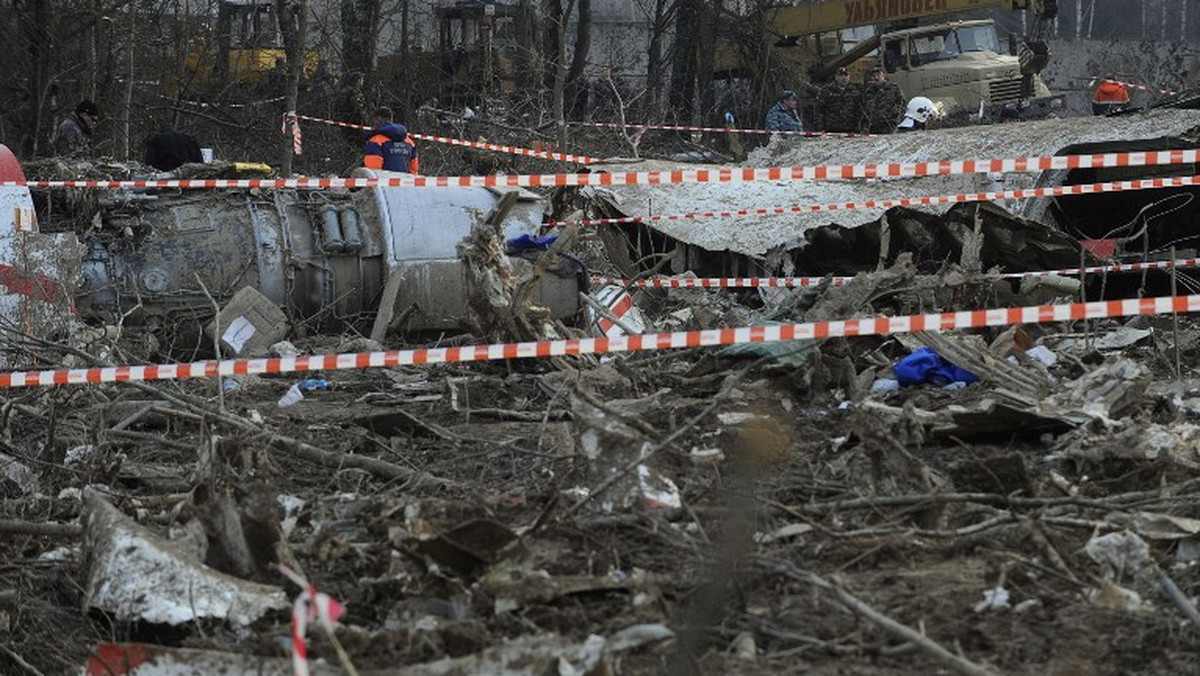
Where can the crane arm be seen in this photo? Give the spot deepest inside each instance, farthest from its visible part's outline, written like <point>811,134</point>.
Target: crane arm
<point>832,15</point>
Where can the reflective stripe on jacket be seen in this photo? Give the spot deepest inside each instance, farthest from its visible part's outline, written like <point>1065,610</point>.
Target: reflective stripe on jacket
<point>390,148</point>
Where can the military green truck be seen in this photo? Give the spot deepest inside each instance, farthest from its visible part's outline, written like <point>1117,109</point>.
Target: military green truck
<point>961,65</point>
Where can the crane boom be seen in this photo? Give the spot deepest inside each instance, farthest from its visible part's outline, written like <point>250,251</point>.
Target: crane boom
<point>832,15</point>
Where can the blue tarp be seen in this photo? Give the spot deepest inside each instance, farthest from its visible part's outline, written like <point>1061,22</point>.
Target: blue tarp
<point>530,243</point>
<point>926,366</point>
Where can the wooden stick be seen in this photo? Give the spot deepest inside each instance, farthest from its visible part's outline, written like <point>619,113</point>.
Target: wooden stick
<point>52,530</point>
<point>960,664</point>
<point>1181,600</point>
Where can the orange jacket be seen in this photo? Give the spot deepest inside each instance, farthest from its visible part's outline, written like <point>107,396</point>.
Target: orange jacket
<point>1110,92</point>
<point>390,147</point>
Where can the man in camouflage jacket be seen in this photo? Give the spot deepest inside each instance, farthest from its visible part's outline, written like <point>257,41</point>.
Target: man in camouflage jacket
<point>839,105</point>
<point>882,103</point>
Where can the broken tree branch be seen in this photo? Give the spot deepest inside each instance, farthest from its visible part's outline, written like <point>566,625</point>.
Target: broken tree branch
<point>21,662</point>
<point>1181,601</point>
<point>960,664</point>
<point>45,529</point>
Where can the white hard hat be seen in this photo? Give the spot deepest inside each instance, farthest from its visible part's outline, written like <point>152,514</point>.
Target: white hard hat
<point>919,109</point>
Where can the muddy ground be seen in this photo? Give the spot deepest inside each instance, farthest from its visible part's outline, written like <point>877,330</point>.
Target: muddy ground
<point>454,508</point>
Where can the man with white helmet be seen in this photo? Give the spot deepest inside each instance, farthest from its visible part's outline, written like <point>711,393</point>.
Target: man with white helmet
<point>918,112</point>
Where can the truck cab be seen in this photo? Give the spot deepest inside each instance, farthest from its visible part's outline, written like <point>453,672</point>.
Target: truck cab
<point>960,66</point>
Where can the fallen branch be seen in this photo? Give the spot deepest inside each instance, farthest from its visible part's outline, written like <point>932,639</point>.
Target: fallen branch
<point>876,502</point>
<point>46,529</point>
<point>717,400</point>
<point>20,662</point>
<point>1181,600</point>
<point>516,416</point>
<point>301,449</point>
<point>960,664</point>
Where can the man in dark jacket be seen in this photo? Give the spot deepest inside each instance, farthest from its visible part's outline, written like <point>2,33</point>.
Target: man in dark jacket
<point>389,147</point>
<point>882,103</point>
<point>74,135</point>
<point>168,149</point>
<point>783,116</point>
<point>839,104</point>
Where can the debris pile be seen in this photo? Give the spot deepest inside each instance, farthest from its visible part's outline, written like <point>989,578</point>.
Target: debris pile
<point>1016,497</point>
<point>1008,500</point>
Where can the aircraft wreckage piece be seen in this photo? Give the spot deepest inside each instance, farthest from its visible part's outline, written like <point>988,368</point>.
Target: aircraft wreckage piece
<point>323,256</point>
<point>34,295</point>
<point>752,245</point>
<point>136,575</point>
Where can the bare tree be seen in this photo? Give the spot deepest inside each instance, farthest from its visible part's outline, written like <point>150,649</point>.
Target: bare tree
<point>685,58</point>
<point>576,82</point>
<point>360,41</point>
<point>659,24</point>
<point>530,56</point>
<point>558,15</point>
<point>704,57</point>
<point>294,21</point>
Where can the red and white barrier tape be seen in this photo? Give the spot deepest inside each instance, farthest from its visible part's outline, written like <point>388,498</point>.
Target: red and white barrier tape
<point>1153,90</point>
<point>310,606</point>
<point>292,122</point>
<point>739,130</point>
<point>794,282</point>
<point>1057,191</point>
<point>720,175</point>
<point>629,343</point>
<point>512,150</point>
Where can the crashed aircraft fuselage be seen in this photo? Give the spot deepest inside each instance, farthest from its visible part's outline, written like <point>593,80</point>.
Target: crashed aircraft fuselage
<point>162,257</point>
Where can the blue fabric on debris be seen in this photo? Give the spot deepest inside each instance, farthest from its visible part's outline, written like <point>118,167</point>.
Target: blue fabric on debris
<point>926,366</point>
<point>530,243</point>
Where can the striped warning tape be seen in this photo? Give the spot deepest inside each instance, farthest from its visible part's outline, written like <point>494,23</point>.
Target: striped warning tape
<point>720,175</point>
<point>310,606</point>
<point>1056,191</point>
<point>739,130</point>
<point>794,282</point>
<point>629,343</point>
<point>512,150</point>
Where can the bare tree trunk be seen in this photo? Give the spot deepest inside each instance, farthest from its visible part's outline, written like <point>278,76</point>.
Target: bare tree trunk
<point>224,44</point>
<point>123,143</point>
<point>682,96</point>
<point>360,40</point>
<point>36,29</point>
<point>560,73</point>
<point>404,7</point>
<point>704,67</point>
<point>552,32</point>
<point>295,38</point>
<point>529,59</point>
<point>94,50</point>
<point>576,82</point>
<point>654,67</point>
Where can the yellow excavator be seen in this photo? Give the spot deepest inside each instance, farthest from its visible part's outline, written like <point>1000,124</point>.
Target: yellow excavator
<point>958,64</point>
<point>247,47</point>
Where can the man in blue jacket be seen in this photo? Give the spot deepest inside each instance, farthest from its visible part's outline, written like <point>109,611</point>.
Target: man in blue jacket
<point>389,147</point>
<point>783,116</point>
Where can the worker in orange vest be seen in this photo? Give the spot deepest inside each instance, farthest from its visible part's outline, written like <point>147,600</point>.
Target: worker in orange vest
<point>1110,96</point>
<point>390,147</point>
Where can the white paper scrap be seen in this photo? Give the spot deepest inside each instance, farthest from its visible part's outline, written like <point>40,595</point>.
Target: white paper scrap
<point>240,330</point>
